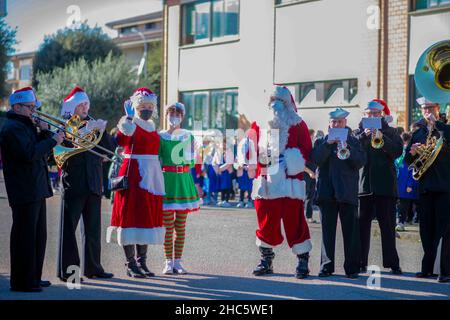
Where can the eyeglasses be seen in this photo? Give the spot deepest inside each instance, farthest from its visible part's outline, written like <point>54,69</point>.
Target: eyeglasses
<point>28,106</point>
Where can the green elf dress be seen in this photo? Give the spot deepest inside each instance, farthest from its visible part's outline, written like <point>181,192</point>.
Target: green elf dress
<point>177,157</point>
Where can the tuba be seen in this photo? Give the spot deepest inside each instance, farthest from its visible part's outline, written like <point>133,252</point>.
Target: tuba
<point>432,78</point>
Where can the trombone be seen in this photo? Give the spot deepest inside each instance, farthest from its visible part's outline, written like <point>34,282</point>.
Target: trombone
<point>70,127</point>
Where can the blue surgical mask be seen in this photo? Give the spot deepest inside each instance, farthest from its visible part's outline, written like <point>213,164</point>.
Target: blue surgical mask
<point>277,105</point>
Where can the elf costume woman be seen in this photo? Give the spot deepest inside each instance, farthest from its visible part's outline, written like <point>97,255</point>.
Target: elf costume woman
<point>177,157</point>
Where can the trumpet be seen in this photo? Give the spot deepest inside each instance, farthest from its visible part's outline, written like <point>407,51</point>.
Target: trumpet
<point>81,143</point>
<point>377,141</point>
<point>343,153</point>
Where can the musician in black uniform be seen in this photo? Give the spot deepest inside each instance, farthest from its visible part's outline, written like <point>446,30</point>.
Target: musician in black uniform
<point>82,182</point>
<point>337,195</point>
<point>434,192</point>
<point>24,152</point>
<point>378,187</point>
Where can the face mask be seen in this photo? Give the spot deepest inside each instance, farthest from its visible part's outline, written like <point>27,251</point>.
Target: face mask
<point>277,105</point>
<point>174,121</point>
<point>145,114</point>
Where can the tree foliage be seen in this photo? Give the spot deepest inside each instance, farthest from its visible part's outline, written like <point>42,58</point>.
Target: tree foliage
<point>7,41</point>
<point>108,83</point>
<point>71,44</point>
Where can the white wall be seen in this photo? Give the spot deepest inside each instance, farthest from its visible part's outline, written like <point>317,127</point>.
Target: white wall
<point>327,40</point>
<point>425,31</point>
<point>348,50</point>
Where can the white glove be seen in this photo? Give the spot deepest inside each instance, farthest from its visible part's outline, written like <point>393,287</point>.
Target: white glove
<point>99,125</point>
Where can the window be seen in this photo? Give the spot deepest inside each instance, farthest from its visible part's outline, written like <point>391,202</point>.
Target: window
<point>10,70</point>
<point>325,92</point>
<point>426,4</point>
<point>127,30</point>
<point>25,73</point>
<point>207,21</point>
<point>152,25</point>
<point>213,109</point>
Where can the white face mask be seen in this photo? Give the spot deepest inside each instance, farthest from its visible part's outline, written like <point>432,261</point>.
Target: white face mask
<point>174,121</point>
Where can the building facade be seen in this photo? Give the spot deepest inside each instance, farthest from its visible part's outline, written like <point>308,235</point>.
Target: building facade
<point>135,34</point>
<point>222,57</point>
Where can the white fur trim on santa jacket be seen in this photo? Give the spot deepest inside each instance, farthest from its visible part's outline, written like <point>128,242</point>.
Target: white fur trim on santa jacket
<point>128,128</point>
<point>276,185</point>
<point>295,163</point>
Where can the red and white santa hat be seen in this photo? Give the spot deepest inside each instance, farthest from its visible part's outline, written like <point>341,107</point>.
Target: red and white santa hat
<point>24,95</point>
<point>283,93</point>
<point>379,104</point>
<point>75,97</point>
<point>143,95</point>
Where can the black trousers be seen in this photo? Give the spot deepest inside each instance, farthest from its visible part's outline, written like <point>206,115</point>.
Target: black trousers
<point>310,193</point>
<point>348,215</point>
<point>130,252</point>
<point>27,244</point>
<point>383,208</point>
<point>89,207</point>
<point>406,209</point>
<point>435,225</point>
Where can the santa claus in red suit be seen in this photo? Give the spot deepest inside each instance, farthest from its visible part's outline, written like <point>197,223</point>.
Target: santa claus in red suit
<point>282,148</point>
<point>137,214</point>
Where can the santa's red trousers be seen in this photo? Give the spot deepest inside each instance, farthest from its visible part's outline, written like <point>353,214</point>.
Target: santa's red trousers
<point>270,212</point>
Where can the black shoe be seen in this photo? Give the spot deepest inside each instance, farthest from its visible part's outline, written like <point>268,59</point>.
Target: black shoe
<point>302,271</point>
<point>45,283</point>
<point>352,275</point>
<point>144,269</point>
<point>363,269</point>
<point>443,279</point>
<point>134,271</point>
<point>265,266</point>
<point>324,274</point>
<point>424,275</point>
<point>38,289</point>
<point>396,270</point>
<point>102,275</point>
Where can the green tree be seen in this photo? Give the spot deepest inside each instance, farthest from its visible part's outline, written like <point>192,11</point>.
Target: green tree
<point>71,44</point>
<point>7,41</point>
<point>108,83</point>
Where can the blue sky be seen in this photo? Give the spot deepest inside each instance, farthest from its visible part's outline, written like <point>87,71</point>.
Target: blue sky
<point>37,18</point>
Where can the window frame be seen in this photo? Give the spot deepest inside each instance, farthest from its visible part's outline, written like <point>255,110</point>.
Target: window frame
<point>211,40</point>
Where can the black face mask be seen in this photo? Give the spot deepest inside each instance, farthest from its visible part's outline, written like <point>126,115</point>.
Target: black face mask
<point>145,114</point>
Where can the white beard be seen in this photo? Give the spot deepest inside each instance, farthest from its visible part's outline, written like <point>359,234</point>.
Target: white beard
<point>282,121</point>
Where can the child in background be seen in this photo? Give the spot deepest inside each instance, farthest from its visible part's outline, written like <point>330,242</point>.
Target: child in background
<point>407,188</point>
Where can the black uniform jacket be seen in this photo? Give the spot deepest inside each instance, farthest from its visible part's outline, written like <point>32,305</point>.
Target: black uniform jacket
<point>24,156</point>
<point>338,179</point>
<point>379,176</point>
<point>437,177</point>
<point>82,173</point>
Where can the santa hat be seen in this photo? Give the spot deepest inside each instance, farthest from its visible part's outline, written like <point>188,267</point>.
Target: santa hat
<point>378,104</point>
<point>179,106</point>
<point>283,93</point>
<point>143,95</point>
<point>75,97</point>
<point>24,95</point>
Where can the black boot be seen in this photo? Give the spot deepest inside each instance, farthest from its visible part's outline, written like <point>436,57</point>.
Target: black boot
<point>142,259</point>
<point>302,270</point>
<point>133,270</point>
<point>265,266</point>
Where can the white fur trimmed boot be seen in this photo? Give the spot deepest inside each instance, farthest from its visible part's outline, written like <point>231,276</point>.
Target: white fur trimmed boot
<point>178,268</point>
<point>168,266</point>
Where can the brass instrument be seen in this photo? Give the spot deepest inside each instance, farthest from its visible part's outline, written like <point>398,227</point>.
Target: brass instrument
<point>81,143</point>
<point>432,78</point>
<point>427,152</point>
<point>343,153</point>
<point>377,141</point>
